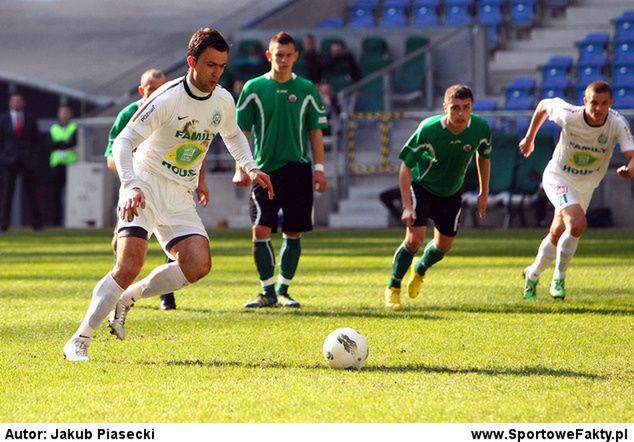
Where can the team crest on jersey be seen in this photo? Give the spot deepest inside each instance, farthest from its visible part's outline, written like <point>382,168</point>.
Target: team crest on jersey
<point>216,118</point>
<point>582,159</point>
<point>185,154</point>
<point>292,98</point>
<point>467,148</point>
<point>602,139</point>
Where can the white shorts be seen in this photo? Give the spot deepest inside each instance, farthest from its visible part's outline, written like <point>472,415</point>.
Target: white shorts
<point>563,193</point>
<point>170,210</point>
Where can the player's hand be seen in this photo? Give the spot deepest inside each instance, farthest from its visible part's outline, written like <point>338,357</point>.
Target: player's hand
<point>240,178</point>
<point>262,180</point>
<point>482,205</point>
<point>135,200</point>
<point>527,146</point>
<point>625,172</point>
<point>202,191</point>
<point>319,181</point>
<point>408,216</point>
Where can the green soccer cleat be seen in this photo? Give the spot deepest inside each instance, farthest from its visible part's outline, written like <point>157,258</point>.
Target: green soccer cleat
<point>530,287</point>
<point>393,298</point>
<point>262,301</point>
<point>414,284</point>
<point>557,289</point>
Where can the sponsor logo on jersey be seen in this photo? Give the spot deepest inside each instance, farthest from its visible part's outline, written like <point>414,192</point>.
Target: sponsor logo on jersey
<point>292,98</point>
<point>185,154</point>
<point>178,171</point>
<point>194,136</point>
<point>216,118</point>
<point>467,148</point>
<point>602,139</point>
<point>582,159</point>
<point>574,171</point>
<point>148,113</point>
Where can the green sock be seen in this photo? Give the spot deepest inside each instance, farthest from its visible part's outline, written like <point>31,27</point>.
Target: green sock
<point>264,258</point>
<point>400,263</point>
<point>290,252</point>
<point>431,255</point>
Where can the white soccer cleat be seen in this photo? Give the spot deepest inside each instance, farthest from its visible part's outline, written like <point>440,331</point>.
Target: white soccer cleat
<point>117,320</point>
<point>76,349</point>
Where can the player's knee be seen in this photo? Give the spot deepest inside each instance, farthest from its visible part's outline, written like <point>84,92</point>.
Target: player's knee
<point>578,226</point>
<point>412,244</point>
<point>197,270</point>
<point>126,271</point>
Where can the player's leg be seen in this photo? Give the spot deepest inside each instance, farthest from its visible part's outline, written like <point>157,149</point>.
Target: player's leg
<point>290,253</point>
<point>401,262</point>
<point>168,301</point>
<point>546,254</point>
<point>445,211</point>
<point>264,218</point>
<point>131,255</point>
<point>574,219</point>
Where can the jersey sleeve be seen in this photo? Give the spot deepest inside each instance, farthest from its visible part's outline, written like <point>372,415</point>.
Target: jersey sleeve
<point>624,135</point>
<point>559,111</point>
<point>316,113</point>
<point>409,152</point>
<point>485,144</point>
<point>246,108</point>
<point>151,115</point>
<point>119,123</point>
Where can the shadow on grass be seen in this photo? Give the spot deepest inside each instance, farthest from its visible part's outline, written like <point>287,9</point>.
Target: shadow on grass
<point>407,368</point>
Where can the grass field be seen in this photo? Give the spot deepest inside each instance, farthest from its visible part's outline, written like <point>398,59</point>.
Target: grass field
<point>469,349</point>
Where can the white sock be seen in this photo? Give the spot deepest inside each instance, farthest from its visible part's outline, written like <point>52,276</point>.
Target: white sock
<point>104,297</point>
<point>166,278</point>
<point>566,249</point>
<point>546,254</point>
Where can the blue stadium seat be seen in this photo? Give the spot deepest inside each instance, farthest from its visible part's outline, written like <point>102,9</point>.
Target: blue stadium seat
<point>623,47</point>
<point>490,15</point>
<point>372,3</point>
<point>485,104</point>
<point>330,23</point>
<point>624,68</point>
<point>624,102</point>
<point>394,15</point>
<point>521,87</point>
<point>592,68</point>
<point>555,87</point>
<point>623,88</point>
<point>523,12</point>
<point>426,13</point>
<point>624,25</point>
<point>361,16</point>
<point>595,43</point>
<point>558,66</point>
<point>524,103</point>
<point>457,12</point>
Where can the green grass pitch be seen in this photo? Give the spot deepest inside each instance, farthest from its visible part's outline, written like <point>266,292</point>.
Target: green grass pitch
<point>469,349</point>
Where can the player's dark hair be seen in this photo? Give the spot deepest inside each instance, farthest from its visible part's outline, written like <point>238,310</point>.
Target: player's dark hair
<point>206,38</point>
<point>283,38</point>
<point>458,91</point>
<point>599,87</point>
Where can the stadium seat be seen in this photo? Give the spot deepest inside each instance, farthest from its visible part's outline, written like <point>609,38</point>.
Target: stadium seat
<point>623,48</point>
<point>521,87</point>
<point>523,13</point>
<point>558,66</point>
<point>592,68</point>
<point>556,87</point>
<point>457,12</point>
<point>374,56</point>
<point>624,25</point>
<point>522,103</point>
<point>330,23</point>
<point>624,68</point>
<point>623,103</point>
<point>394,15</point>
<point>595,43</point>
<point>426,13</point>
<point>485,104</point>
<point>361,16</point>
<point>411,76</point>
<point>490,15</point>
<point>623,88</point>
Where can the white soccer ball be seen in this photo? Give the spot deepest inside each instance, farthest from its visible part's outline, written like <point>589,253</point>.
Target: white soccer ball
<point>346,349</point>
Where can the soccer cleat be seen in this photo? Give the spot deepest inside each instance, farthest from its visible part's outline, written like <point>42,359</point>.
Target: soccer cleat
<point>76,349</point>
<point>117,320</point>
<point>414,284</point>
<point>286,300</point>
<point>530,287</point>
<point>168,302</point>
<point>557,290</point>
<point>393,298</point>
<point>262,300</point>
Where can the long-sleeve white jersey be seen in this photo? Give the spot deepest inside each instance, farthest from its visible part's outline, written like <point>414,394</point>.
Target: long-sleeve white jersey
<point>583,151</point>
<point>171,133</point>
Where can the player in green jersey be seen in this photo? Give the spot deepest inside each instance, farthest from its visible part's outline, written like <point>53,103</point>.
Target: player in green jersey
<point>151,80</point>
<point>435,160</point>
<point>284,112</point>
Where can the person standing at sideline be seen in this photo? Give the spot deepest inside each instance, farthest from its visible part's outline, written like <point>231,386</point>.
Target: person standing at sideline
<point>150,81</point>
<point>63,139</point>
<point>284,111</point>
<point>435,160</point>
<point>20,155</point>
<point>579,163</point>
<point>170,135</point>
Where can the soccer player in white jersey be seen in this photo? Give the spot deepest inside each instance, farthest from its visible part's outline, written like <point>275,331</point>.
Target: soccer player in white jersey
<point>579,163</point>
<point>170,135</point>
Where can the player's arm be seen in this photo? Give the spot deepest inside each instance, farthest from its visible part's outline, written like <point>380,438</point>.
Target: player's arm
<point>122,153</point>
<point>404,184</point>
<point>527,145</point>
<point>627,172</point>
<point>317,145</point>
<point>484,173</point>
<point>239,148</point>
<point>202,191</point>
<point>240,177</point>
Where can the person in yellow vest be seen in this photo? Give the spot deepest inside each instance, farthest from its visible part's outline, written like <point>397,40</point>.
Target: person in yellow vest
<point>63,142</point>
